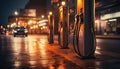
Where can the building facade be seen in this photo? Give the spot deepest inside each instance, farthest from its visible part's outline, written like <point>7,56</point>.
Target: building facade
<point>107,17</point>
<point>30,16</point>
<point>39,5</point>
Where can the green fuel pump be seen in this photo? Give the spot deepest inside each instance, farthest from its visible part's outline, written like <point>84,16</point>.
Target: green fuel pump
<point>84,36</point>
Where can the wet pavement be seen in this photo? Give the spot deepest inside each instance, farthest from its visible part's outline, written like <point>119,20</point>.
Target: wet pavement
<point>103,60</point>
<point>30,53</point>
<point>34,52</point>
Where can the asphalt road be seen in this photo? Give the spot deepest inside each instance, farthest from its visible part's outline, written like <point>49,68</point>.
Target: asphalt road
<point>109,47</point>
<point>32,53</point>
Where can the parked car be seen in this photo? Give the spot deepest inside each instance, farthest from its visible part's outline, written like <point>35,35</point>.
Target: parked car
<point>20,31</point>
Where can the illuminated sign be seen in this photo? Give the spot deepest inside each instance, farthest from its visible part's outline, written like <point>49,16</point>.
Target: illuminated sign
<point>110,15</point>
<point>55,1</point>
<point>28,12</point>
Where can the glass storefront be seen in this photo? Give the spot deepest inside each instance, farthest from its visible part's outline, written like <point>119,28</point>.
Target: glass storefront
<point>108,22</point>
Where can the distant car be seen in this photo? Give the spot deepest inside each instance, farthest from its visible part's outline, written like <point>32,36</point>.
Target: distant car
<point>20,31</point>
<point>2,31</point>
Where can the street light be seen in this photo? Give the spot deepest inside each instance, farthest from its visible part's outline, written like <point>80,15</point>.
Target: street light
<point>42,16</point>
<point>16,13</point>
<point>50,13</point>
<point>63,3</point>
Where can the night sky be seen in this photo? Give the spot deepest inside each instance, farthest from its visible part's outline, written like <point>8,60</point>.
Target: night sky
<point>7,8</point>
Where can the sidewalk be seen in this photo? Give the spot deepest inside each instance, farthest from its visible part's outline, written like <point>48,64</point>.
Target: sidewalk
<point>101,61</point>
<point>108,36</point>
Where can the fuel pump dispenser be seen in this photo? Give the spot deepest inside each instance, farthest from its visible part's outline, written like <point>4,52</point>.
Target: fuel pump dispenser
<point>50,28</point>
<point>84,35</point>
<point>63,24</point>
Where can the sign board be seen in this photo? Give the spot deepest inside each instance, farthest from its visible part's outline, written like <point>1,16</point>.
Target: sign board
<point>54,1</point>
<point>28,12</point>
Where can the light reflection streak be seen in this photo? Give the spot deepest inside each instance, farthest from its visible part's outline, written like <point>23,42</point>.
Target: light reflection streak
<point>33,51</point>
<point>37,51</point>
<point>51,67</point>
<point>43,52</point>
<point>17,64</point>
<point>19,49</point>
<point>98,50</point>
<point>98,63</point>
<point>16,46</point>
<point>62,65</point>
<point>32,63</point>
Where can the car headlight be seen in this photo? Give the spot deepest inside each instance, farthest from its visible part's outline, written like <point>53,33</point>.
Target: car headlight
<point>15,31</point>
<point>26,31</point>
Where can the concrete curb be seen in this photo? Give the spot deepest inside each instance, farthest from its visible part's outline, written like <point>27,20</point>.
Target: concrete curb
<point>107,37</point>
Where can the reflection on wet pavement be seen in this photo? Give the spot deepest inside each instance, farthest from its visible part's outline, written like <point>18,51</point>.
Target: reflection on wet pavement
<point>30,53</point>
<point>34,52</point>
